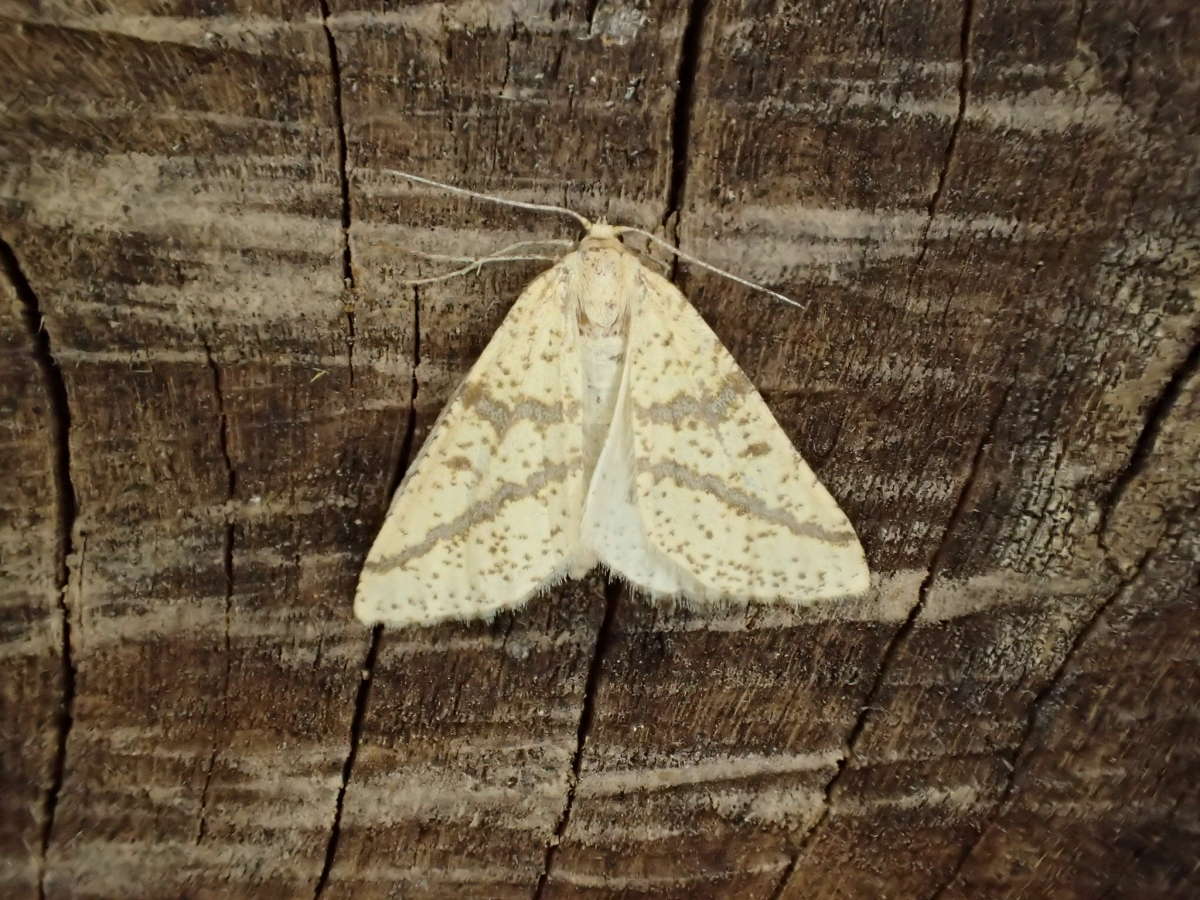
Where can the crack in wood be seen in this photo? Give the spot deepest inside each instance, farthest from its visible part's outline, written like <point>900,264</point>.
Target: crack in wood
<point>612,593</point>
<point>210,766</point>
<point>1156,417</point>
<point>350,338</point>
<point>368,666</point>
<point>899,638</point>
<point>512,36</point>
<point>1079,19</point>
<point>406,446</point>
<point>964,84</point>
<point>1133,27</point>
<point>684,106</point>
<point>343,155</point>
<point>777,891</point>
<point>227,566</point>
<point>66,514</point>
<point>356,726</point>
<point>593,6</point>
<point>1016,757</point>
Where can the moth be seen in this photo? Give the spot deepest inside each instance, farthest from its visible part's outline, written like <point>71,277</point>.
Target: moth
<point>605,424</point>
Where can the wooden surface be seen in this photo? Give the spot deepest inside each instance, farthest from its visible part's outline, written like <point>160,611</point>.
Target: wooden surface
<point>212,380</point>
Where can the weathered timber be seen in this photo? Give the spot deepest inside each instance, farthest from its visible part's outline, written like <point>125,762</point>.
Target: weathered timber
<point>213,378</point>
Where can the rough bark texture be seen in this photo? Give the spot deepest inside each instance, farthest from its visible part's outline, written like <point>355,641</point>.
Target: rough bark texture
<point>213,379</point>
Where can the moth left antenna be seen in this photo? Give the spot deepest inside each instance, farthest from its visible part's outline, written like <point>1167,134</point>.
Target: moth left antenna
<point>454,189</point>
<point>475,263</point>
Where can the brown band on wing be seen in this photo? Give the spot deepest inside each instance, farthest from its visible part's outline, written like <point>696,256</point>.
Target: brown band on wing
<point>480,511</point>
<point>740,500</point>
<point>711,408</point>
<point>502,417</point>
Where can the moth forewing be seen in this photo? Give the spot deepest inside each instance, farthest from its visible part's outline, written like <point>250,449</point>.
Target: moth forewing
<point>489,511</point>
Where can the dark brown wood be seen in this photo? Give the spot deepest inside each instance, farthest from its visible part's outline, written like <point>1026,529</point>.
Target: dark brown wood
<point>214,377</point>
<point>32,574</point>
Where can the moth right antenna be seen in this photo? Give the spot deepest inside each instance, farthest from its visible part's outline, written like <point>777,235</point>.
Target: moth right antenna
<point>629,229</point>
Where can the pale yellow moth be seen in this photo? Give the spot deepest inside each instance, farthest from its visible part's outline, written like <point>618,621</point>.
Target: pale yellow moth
<point>605,424</point>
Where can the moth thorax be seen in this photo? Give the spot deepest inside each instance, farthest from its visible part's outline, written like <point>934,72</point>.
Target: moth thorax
<point>603,289</point>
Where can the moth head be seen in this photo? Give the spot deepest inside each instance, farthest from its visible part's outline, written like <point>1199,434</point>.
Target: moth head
<point>603,231</point>
<point>602,237</point>
<point>602,287</point>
